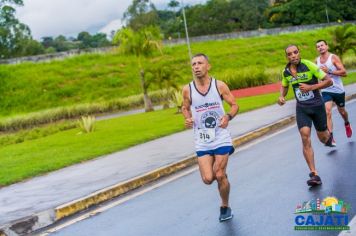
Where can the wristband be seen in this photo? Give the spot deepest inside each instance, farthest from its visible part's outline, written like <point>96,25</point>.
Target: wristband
<point>230,116</point>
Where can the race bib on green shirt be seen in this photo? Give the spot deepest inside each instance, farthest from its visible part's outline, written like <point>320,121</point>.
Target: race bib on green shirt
<point>303,96</point>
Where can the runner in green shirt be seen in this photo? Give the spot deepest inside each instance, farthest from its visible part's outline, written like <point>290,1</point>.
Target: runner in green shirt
<point>307,80</point>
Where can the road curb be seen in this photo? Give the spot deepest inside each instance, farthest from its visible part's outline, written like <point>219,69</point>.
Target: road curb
<point>124,187</point>
<point>45,218</point>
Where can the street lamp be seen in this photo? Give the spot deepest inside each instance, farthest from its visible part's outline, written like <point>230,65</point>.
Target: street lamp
<point>326,12</point>
<point>186,31</point>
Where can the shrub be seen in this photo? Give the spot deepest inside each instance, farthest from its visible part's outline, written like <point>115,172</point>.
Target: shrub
<point>86,124</point>
<point>244,78</point>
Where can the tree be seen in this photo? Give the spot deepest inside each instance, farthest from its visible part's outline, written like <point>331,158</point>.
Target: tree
<point>12,32</point>
<point>141,44</point>
<point>140,14</point>
<point>47,42</point>
<point>85,39</point>
<point>30,47</point>
<point>343,39</point>
<point>299,12</point>
<point>99,40</point>
<point>173,4</point>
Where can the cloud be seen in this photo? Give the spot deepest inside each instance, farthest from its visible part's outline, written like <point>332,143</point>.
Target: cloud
<point>114,25</point>
<point>70,17</point>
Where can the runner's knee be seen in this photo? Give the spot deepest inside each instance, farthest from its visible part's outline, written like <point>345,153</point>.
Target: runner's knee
<point>220,175</point>
<point>342,111</point>
<point>208,179</point>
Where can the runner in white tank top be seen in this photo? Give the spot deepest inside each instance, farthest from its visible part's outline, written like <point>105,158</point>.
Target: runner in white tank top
<point>337,86</point>
<point>207,109</point>
<point>331,64</point>
<point>203,110</point>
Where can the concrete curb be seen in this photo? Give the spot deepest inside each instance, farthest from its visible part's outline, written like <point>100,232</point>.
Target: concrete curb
<point>45,218</point>
<point>124,187</point>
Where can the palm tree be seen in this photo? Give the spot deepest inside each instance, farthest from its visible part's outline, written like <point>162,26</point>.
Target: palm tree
<point>141,44</point>
<point>343,39</point>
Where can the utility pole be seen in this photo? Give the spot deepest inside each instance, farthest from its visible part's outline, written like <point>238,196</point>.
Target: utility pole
<point>186,32</point>
<point>326,12</point>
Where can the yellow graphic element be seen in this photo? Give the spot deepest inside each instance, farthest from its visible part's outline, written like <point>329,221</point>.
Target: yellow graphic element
<point>329,201</point>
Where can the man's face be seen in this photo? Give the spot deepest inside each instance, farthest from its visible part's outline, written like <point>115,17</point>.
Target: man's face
<point>200,67</point>
<point>322,47</point>
<point>293,55</point>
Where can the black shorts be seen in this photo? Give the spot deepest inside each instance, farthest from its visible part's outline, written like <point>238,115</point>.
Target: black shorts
<point>338,98</point>
<point>308,115</point>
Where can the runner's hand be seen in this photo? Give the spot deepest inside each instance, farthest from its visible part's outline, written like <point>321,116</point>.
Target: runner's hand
<point>224,121</point>
<point>305,87</point>
<point>324,68</point>
<point>189,123</point>
<point>281,101</point>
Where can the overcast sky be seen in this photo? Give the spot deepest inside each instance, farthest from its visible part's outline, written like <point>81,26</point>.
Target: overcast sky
<point>70,17</point>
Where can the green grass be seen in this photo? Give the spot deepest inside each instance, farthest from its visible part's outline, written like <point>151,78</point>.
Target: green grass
<point>100,78</point>
<point>35,157</point>
<point>39,155</point>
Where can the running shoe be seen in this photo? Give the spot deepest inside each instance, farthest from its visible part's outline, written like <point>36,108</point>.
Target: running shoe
<point>331,141</point>
<point>348,130</point>
<point>225,214</point>
<point>314,180</point>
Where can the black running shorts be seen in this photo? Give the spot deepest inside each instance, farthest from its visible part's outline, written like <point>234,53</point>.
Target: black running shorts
<point>308,115</point>
<point>338,98</point>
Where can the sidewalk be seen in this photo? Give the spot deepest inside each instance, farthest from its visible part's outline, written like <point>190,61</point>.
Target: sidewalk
<point>30,205</point>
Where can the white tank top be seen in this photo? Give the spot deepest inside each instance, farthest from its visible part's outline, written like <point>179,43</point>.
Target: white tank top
<point>337,86</point>
<point>207,109</point>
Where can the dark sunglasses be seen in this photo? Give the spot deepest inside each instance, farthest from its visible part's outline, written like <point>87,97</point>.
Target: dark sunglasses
<point>294,52</point>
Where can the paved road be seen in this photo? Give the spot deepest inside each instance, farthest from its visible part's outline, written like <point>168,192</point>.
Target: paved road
<point>268,180</point>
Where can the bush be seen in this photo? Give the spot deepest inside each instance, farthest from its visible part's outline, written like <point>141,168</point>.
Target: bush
<point>87,124</point>
<point>72,112</point>
<point>237,79</point>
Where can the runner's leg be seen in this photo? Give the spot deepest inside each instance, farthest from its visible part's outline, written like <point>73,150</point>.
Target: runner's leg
<point>219,169</point>
<point>343,114</point>
<point>206,168</point>
<point>328,108</point>
<point>308,152</point>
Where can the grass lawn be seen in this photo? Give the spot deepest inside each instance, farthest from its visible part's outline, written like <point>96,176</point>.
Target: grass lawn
<point>31,87</point>
<point>64,148</point>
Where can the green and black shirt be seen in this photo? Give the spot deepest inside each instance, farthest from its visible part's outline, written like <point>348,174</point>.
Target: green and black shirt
<point>308,73</point>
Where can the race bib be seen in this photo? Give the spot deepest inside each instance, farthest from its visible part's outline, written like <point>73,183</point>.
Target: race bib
<point>303,96</point>
<point>206,135</point>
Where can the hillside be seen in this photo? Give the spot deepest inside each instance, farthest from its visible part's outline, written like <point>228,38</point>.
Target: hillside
<point>91,78</point>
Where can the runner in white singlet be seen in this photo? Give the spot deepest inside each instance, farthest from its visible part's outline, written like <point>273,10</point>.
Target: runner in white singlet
<point>332,65</point>
<point>203,111</point>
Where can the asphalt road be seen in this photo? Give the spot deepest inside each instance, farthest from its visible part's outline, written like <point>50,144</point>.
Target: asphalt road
<point>268,181</point>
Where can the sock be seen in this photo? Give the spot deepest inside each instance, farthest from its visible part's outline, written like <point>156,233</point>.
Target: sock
<point>347,123</point>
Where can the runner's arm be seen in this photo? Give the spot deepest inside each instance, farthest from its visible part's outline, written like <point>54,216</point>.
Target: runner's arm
<point>324,83</point>
<point>230,99</point>
<point>284,92</point>
<point>340,69</point>
<point>187,113</point>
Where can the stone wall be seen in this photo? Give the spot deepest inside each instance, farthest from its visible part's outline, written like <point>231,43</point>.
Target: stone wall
<point>234,35</point>
<point>253,33</point>
<point>56,56</point>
